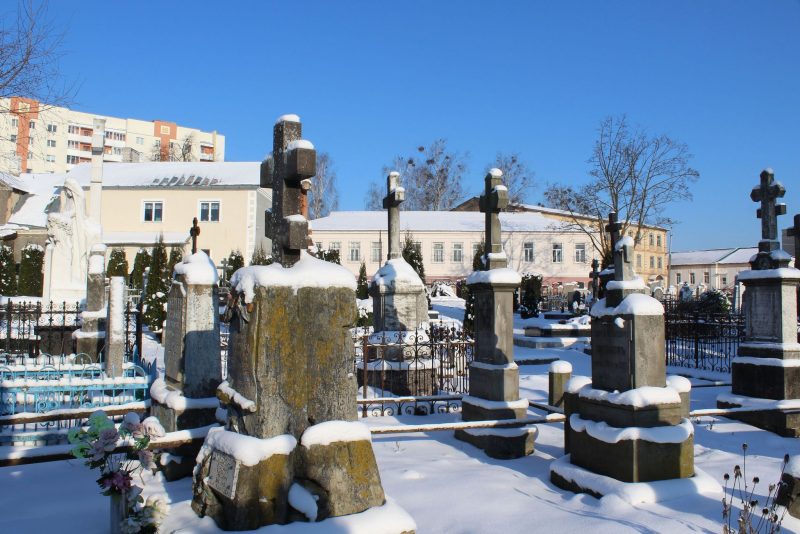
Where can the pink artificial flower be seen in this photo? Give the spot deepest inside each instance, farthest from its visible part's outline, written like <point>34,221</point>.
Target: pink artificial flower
<point>118,481</point>
<point>108,438</point>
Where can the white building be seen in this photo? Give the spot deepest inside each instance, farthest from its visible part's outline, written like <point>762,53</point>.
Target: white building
<point>715,268</point>
<point>448,240</point>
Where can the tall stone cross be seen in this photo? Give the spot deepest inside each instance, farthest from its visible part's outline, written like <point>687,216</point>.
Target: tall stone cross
<point>794,231</point>
<point>766,193</point>
<point>492,202</point>
<point>395,195</point>
<point>293,160</point>
<point>194,231</point>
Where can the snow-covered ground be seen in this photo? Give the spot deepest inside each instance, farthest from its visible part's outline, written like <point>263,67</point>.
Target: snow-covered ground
<point>446,485</point>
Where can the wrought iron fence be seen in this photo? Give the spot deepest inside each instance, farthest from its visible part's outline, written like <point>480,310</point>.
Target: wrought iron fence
<point>77,383</point>
<point>702,341</point>
<point>422,370</point>
<point>33,328</point>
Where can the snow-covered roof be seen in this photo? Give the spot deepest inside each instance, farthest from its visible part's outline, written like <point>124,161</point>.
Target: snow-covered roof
<point>565,213</point>
<point>13,182</point>
<point>433,221</point>
<point>30,208</point>
<point>144,238</point>
<point>708,257</point>
<point>173,174</point>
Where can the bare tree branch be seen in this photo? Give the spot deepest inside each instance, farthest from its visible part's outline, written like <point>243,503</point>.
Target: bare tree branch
<point>324,197</point>
<point>517,176</point>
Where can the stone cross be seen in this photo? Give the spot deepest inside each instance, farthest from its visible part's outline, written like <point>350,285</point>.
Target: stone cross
<point>766,193</point>
<point>395,195</point>
<point>794,231</point>
<point>595,277</point>
<point>623,260</point>
<point>492,202</point>
<point>194,231</point>
<point>293,160</point>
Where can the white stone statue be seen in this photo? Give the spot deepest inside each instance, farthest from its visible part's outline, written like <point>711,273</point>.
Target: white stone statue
<point>70,237</point>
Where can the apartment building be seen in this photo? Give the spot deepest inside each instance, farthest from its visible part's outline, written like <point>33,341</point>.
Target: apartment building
<point>37,138</point>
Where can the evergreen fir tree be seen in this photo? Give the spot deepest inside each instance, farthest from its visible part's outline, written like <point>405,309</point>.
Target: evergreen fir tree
<point>413,256</point>
<point>235,262</point>
<point>329,255</point>
<point>31,273</point>
<point>467,295</point>
<point>361,284</point>
<point>8,272</point>
<point>117,263</point>
<point>260,257</point>
<point>175,257</point>
<point>156,294</point>
<point>141,261</point>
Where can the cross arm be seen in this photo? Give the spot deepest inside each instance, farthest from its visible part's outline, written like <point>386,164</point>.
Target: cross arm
<point>301,162</point>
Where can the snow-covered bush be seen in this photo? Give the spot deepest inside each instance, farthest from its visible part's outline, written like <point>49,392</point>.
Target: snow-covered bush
<point>8,272</point>
<point>158,282</point>
<point>117,263</point>
<point>31,271</point>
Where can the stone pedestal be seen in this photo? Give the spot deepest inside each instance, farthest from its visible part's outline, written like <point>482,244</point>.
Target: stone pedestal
<point>493,375</point>
<point>185,397</point>
<point>91,337</point>
<point>291,394</point>
<point>767,365</point>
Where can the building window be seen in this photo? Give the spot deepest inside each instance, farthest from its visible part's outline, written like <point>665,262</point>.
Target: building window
<point>165,130</point>
<point>652,262</point>
<point>30,155</point>
<point>209,211</point>
<point>677,278</point>
<point>438,253</point>
<point>558,253</point>
<point>73,129</point>
<point>51,158</point>
<point>73,160</point>
<point>651,239</point>
<point>335,245</point>
<point>660,264</point>
<point>30,141</point>
<point>13,138</point>
<point>52,128</point>
<point>153,211</point>
<point>32,125</point>
<point>140,140</point>
<point>51,143</point>
<point>724,281</point>
<point>418,247</point>
<point>117,151</point>
<point>658,240</point>
<point>458,253</point>
<point>527,251</point>
<point>375,254</point>
<point>705,277</point>
<point>475,248</point>
<point>638,261</point>
<point>691,278</point>
<point>15,122</point>
<point>355,251</point>
<point>73,145</point>
<point>580,252</point>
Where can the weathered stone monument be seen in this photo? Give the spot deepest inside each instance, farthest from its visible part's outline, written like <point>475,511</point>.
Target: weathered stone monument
<point>628,423</point>
<point>398,294</point>
<point>493,375</point>
<point>186,396</point>
<point>291,450</point>
<point>766,370</point>
<point>91,336</point>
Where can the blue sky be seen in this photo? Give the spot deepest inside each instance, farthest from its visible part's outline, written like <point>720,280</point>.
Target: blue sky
<point>371,80</point>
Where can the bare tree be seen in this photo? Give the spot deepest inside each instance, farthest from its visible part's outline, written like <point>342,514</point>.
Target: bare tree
<point>633,174</point>
<point>432,178</point>
<point>29,57</point>
<point>175,151</point>
<point>323,192</point>
<point>373,198</point>
<point>517,176</point>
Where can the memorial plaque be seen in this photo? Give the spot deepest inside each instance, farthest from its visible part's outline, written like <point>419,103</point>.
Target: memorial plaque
<point>223,472</point>
<point>173,336</point>
<point>761,323</point>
